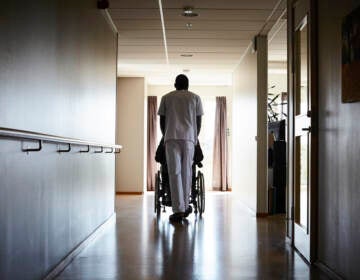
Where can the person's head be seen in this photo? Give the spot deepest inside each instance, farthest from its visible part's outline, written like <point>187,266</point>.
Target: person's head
<point>181,82</point>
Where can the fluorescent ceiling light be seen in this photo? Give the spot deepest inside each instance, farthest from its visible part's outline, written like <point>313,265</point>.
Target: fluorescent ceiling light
<point>188,12</point>
<point>164,32</point>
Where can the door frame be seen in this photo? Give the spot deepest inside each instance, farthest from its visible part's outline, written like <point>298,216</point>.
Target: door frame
<point>310,8</point>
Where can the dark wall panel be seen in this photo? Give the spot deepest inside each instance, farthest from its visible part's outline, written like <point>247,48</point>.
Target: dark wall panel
<point>57,68</point>
<point>57,76</point>
<point>339,150</point>
<point>49,203</point>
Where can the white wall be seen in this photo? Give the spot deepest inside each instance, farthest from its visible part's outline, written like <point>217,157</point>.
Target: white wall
<point>130,132</point>
<point>244,131</point>
<point>279,80</point>
<point>203,92</point>
<point>250,129</point>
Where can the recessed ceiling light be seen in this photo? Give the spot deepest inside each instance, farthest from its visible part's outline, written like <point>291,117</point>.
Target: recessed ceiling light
<point>187,55</point>
<point>189,12</point>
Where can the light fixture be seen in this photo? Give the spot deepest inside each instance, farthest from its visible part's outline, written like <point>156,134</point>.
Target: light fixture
<point>189,12</point>
<point>189,25</point>
<point>187,55</point>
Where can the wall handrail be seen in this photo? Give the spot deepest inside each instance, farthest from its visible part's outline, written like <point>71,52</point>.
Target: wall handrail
<point>41,137</point>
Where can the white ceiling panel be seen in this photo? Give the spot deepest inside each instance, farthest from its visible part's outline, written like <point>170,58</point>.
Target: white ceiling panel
<point>197,24</point>
<point>224,4</point>
<point>141,42</point>
<point>219,15</point>
<point>204,15</point>
<point>134,4</point>
<point>181,49</point>
<point>216,38</point>
<point>138,24</point>
<point>141,49</point>
<point>207,49</point>
<point>208,34</point>
<point>141,60</point>
<point>135,14</point>
<point>209,42</point>
<point>185,34</point>
<point>228,25</point>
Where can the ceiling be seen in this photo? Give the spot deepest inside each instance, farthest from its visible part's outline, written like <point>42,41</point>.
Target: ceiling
<point>218,38</point>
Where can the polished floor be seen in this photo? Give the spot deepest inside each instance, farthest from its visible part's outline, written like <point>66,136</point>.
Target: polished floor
<point>228,242</point>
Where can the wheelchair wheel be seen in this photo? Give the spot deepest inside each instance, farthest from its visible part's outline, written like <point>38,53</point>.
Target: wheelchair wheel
<point>201,193</point>
<point>157,205</point>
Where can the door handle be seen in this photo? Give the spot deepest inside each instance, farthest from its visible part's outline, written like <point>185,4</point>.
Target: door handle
<point>306,129</point>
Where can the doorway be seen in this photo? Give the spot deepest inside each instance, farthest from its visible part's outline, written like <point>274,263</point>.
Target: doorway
<point>302,128</point>
<point>277,107</point>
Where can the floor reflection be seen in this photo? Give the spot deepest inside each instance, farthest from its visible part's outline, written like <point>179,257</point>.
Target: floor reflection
<point>176,248</point>
<point>227,243</point>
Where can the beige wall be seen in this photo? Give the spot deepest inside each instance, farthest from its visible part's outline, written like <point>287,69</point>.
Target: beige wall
<point>279,81</point>
<point>160,90</point>
<point>130,132</point>
<point>249,136</point>
<point>203,92</point>
<point>245,130</point>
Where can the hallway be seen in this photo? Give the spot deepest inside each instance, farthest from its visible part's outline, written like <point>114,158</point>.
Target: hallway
<point>227,243</point>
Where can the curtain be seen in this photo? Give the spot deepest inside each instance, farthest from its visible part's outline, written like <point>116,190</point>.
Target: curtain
<point>151,142</point>
<point>220,168</point>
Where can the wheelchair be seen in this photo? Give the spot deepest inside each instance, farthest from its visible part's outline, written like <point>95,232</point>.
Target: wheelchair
<point>162,197</point>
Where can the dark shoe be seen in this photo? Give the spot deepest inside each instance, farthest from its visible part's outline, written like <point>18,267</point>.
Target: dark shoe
<point>188,211</point>
<point>176,217</point>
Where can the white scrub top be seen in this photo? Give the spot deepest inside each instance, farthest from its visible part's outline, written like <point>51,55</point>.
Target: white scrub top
<point>180,108</point>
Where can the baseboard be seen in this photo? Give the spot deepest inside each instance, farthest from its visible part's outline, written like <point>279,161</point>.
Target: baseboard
<point>262,215</point>
<point>300,254</point>
<point>328,271</point>
<point>220,190</point>
<point>77,250</point>
<point>129,193</point>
